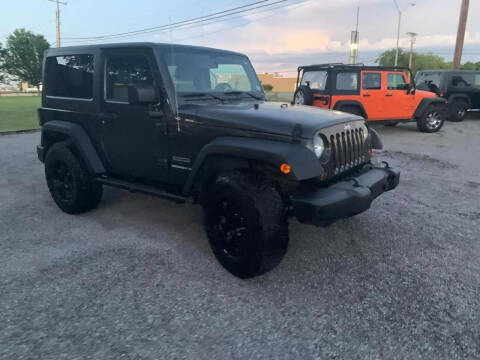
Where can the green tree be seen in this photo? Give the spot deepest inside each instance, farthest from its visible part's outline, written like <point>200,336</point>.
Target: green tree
<point>23,55</point>
<point>470,65</point>
<point>2,77</point>
<point>419,61</point>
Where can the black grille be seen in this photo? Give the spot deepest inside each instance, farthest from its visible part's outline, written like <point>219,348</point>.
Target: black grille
<point>348,149</point>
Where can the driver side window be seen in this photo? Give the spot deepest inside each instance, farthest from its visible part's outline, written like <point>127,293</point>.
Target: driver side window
<point>122,71</point>
<point>396,82</point>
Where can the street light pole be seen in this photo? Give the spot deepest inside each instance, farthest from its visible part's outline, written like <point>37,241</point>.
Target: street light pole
<point>398,29</point>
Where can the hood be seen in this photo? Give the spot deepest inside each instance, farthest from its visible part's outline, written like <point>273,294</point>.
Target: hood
<point>424,93</point>
<point>268,117</point>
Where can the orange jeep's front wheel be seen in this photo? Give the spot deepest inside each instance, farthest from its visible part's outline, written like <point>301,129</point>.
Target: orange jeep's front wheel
<point>431,120</point>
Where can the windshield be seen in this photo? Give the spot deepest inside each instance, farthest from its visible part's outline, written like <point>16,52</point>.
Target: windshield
<point>196,72</point>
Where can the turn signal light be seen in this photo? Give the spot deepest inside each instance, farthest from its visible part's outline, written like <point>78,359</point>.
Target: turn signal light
<point>285,168</point>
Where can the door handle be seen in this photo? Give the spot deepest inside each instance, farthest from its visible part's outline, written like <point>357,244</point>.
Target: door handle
<point>365,95</point>
<point>155,114</point>
<point>106,116</point>
<point>388,94</point>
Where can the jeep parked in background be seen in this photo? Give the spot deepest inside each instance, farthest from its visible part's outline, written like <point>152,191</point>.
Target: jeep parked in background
<point>377,93</point>
<point>461,88</point>
<point>186,122</point>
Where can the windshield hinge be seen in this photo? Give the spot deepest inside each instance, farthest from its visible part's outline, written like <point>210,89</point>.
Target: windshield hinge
<point>297,133</point>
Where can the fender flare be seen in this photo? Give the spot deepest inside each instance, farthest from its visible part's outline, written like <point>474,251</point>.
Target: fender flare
<point>303,162</point>
<point>358,104</point>
<point>453,98</point>
<point>425,103</point>
<point>80,140</point>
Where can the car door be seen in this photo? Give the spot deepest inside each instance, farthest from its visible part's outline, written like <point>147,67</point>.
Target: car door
<point>372,96</point>
<point>399,104</point>
<point>134,137</point>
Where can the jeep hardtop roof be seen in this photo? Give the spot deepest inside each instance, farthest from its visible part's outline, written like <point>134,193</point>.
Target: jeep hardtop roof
<point>352,66</point>
<point>448,71</point>
<point>164,46</point>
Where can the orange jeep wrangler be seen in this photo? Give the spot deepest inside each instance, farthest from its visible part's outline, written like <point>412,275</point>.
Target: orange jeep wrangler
<point>378,93</point>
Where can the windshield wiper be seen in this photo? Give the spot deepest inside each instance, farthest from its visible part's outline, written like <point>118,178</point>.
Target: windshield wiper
<point>239,92</point>
<point>193,95</point>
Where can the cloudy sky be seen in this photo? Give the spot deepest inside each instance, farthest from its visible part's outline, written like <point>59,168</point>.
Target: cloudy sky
<point>277,38</point>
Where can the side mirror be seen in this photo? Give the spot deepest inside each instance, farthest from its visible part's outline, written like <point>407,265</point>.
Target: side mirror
<point>410,89</point>
<point>142,94</point>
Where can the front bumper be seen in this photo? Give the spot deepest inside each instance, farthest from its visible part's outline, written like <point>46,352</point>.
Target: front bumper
<point>41,153</point>
<point>346,198</point>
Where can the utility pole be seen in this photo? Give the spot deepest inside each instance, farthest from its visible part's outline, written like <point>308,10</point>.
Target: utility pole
<point>58,18</point>
<point>412,41</point>
<point>354,42</point>
<point>462,24</point>
<point>398,29</point>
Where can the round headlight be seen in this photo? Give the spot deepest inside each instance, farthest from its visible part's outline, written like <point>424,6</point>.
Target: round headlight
<point>364,132</point>
<point>318,145</point>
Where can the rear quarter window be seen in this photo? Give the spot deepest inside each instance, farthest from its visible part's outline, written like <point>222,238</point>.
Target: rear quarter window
<point>461,80</point>
<point>316,80</point>
<point>69,76</point>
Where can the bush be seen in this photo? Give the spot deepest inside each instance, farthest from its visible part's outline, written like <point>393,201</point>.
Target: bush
<point>267,87</point>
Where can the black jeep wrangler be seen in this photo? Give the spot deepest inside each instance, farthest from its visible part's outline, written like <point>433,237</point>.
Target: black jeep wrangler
<point>461,88</point>
<point>189,122</point>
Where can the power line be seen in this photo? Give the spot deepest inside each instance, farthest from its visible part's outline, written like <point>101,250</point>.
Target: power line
<point>200,19</point>
<point>254,13</point>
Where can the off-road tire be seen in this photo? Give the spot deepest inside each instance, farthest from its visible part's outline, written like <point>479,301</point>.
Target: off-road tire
<point>69,182</point>
<point>306,93</point>
<point>423,122</point>
<point>252,206</point>
<point>457,110</point>
<point>355,110</point>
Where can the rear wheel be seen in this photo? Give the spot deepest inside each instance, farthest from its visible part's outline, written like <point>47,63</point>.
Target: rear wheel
<point>69,182</point>
<point>458,110</point>
<point>431,120</point>
<point>303,96</point>
<point>246,223</point>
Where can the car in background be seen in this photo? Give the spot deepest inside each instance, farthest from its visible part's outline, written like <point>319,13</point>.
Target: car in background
<point>377,93</point>
<point>461,88</point>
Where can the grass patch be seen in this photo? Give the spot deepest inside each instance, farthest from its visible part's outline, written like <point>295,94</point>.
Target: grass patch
<point>19,112</point>
<point>278,96</point>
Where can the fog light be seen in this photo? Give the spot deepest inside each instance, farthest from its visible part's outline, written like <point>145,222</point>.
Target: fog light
<point>285,168</point>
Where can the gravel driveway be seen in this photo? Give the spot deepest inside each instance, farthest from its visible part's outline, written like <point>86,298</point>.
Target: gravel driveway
<point>135,279</point>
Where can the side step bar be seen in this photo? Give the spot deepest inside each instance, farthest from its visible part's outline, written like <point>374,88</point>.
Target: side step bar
<point>146,189</point>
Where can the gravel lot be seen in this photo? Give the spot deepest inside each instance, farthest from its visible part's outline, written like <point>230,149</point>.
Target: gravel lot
<point>135,279</point>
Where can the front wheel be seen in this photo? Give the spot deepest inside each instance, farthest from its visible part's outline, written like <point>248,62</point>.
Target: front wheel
<point>246,223</point>
<point>431,121</point>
